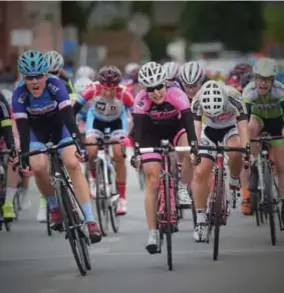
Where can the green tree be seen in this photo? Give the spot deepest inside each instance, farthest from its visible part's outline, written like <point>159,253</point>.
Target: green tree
<point>77,14</point>
<point>238,25</point>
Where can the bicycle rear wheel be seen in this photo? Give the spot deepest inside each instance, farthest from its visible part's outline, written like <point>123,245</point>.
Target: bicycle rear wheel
<point>71,228</point>
<point>168,217</point>
<point>270,205</point>
<point>101,198</point>
<point>48,228</point>
<point>218,212</point>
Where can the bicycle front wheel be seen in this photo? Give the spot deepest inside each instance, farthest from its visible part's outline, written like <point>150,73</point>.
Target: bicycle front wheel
<point>269,199</point>
<point>101,198</point>
<point>71,228</point>
<point>218,212</point>
<point>166,182</point>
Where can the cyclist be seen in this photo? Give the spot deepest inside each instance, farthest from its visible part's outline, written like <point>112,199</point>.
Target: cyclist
<point>26,200</point>
<point>226,122</point>
<point>172,70</point>
<point>159,113</point>
<point>264,97</point>
<point>55,65</point>
<point>110,100</point>
<point>246,79</point>
<point>192,77</point>
<point>43,112</point>
<point>85,71</point>
<point>7,141</point>
<point>131,73</point>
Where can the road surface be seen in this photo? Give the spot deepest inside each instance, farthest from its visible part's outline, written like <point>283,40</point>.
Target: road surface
<point>32,262</point>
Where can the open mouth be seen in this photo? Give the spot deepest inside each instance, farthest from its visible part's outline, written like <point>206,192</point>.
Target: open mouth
<point>35,87</point>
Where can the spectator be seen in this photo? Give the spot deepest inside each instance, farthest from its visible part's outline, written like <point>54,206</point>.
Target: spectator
<point>8,76</point>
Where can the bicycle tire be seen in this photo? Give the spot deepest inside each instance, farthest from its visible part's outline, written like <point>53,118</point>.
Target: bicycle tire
<point>269,200</point>
<point>193,211</point>
<point>8,225</point>
<point>101,198</point>
<point>278,212</point>
<point>114,218</point>
<point>48,228</point>
<point>166,182</point>
<point>255,194</point>
<point>141,178</point>
<point>218,213</point>
<point>16,203</point>
<point>69,221</point>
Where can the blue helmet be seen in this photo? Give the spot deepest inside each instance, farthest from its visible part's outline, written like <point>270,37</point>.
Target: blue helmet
<point>33,62</point>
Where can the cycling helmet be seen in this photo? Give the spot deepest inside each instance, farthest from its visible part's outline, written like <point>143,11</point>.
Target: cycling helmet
<point>191,73</point>
<point>242,68</point>
<point>109,76</point>
<point>130,68</point>
<point>265,67</point>
<point>212,98</point>
<point>172,69</point>
<point>151,74</point>
<point>55,61</point>
<point>86,71</point>
<point>33,62</point>
<point>81,84</point>
<point>246,79</point>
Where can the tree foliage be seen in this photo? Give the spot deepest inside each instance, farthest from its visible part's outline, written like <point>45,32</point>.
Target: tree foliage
<point>238,25</point>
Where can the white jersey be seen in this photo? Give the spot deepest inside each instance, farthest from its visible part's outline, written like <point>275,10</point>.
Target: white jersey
<point>234,110</point>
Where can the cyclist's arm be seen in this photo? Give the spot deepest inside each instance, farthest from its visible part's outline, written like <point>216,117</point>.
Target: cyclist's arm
<point>197,117</point>
<point>21,118</point>
<point>66,111</point>
<point>6,123</point>
<point>87,95</point>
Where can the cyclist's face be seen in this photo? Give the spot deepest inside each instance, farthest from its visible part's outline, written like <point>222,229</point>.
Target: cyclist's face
<point>191,90</point>
<point>263,84</point>
<point>157,94</point>
<point>36,84</point>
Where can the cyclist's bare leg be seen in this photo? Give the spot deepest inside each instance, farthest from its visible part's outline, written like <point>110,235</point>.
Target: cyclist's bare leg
<point>152,183</point>
<point>278,152</point>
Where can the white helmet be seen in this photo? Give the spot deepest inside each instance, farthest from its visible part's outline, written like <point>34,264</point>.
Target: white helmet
<point>151,74</point>
<point>172,69</point>
<point>212,98</point>
<point>7,95</point>
<point>55,61</point>
<point>81,84</point>
<point>265,67</point>
<point>191,73</point>
<point>86,71</point>
<point>130,67</point>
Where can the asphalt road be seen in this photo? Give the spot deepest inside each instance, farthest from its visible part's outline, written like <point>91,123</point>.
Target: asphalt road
<point>32,262</point>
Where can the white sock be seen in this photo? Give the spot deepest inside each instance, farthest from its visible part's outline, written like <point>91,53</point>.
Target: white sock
<point>24,191</point>
<point>10,193</point>
<point>201,216</point>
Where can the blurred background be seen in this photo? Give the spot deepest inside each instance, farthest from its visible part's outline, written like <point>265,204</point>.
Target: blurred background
<point>98,32</point>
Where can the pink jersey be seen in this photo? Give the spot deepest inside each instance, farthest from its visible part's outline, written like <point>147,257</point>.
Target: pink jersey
<point>175,102</point>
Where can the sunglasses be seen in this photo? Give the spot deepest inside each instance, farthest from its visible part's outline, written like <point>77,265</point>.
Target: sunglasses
<point>152,89</point>
<point>31,77</point>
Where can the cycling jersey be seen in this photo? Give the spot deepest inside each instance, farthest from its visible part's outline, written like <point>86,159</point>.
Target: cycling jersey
<point>6,123</point>
<point>234,110</point>
<point>69,86</point>
<point>153,122</point>
<point>44,118</point>
<point>105,109</point>
<point>266,107</point>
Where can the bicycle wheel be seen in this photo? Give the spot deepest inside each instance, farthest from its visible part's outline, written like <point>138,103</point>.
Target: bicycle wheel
<point>218,212</point>
<point>193,211</point>
<point>269,207</point>
<point>277,204</point>
<point>17,205</point>
<point>101,198</point>
<point>70,225</point>
<point>141,178</point>
<point>168,217</point>
<point>114,218</point>
<point>48,228</point>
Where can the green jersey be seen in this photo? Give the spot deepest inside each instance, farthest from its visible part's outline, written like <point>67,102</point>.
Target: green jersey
<point>266,107</point>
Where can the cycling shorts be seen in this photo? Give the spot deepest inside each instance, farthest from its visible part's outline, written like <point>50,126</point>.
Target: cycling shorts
<point>96,127</point>
<point>153,139</point>
<point>212,136</point>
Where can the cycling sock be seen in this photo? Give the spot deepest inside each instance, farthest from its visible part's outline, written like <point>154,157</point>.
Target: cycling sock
<point>93,173</point>
<point>245,193</point>
<point>121,186</point>
<point>88,212</point>
<point>51,201</point>
<point>10,193</point>
<point>24,191</point>
<point>201,216</point>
